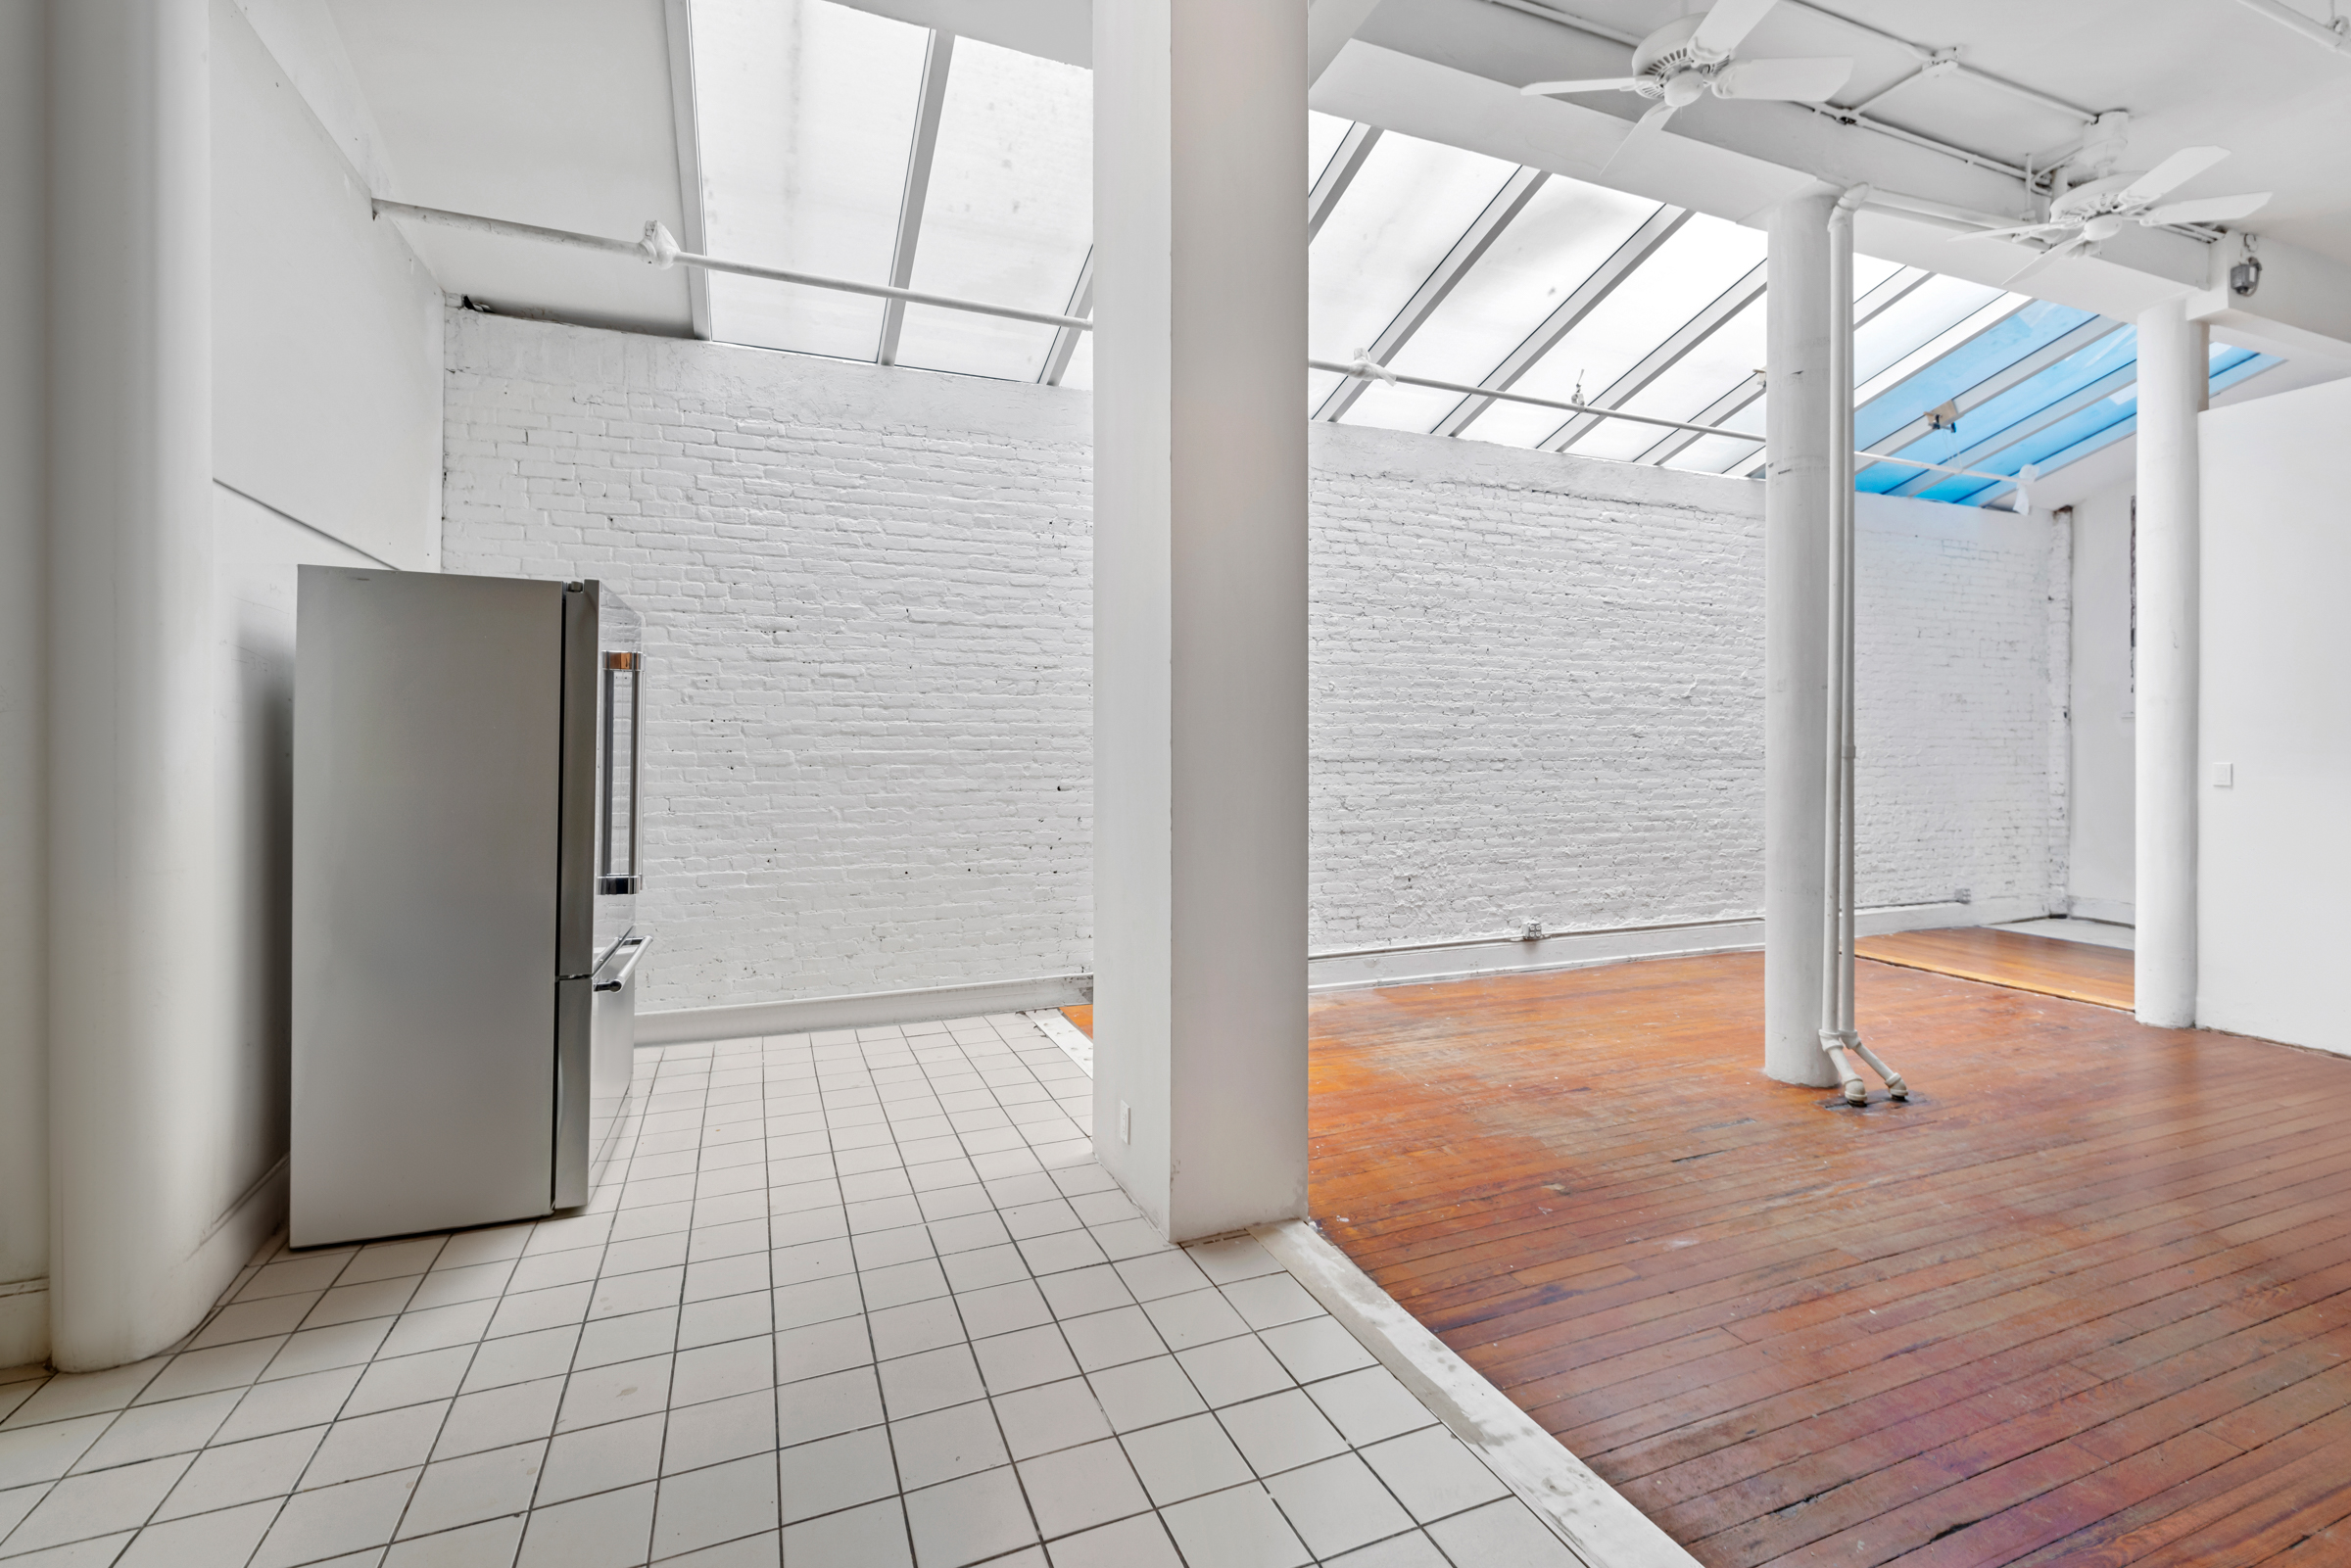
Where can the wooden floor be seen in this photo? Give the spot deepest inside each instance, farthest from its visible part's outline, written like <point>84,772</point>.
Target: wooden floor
<point>2086,1299</point>
<point>2051,966</point>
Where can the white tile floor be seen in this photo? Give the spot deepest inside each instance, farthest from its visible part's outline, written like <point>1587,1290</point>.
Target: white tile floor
<point>851,1298</point>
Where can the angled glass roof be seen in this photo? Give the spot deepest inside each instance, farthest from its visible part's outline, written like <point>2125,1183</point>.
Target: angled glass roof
<point>840,142</point>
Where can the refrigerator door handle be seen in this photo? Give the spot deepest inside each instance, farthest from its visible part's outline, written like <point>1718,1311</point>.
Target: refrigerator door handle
<point>631,878</point>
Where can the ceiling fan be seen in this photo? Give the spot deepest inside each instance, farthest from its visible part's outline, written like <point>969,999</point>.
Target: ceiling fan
<point>2087,215</point>
<point>1684,59</point>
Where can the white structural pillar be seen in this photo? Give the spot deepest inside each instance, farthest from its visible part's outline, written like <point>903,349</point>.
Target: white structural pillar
<point>130,710</point>
<point>2174,354</point>
<point>1200,609</point>
<point>1798,492</point>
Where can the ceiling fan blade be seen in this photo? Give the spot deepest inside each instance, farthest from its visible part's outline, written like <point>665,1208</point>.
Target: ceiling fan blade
<point>2207,210</point>
<point>2045,259</point>
<point>1798,80</point>
<point>2017,232</point>
<point>1647,129</point>
<point>1594,85</point>
<point>2178,169</point>
<point>1730,22</point>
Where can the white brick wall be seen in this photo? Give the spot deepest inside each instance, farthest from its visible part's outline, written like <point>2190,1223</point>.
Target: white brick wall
<point>1537,688</point>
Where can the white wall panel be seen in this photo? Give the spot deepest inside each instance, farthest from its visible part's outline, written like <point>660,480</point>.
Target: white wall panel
<point>2274,851</point>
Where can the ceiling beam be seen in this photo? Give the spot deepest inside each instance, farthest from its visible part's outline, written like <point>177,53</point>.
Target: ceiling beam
<point>939,58</point>
<point>1329,24</point>
<point>1337,174</point>
<point>1662,224</point>
<point>1065,338</point>
<point>1507,203</point>
<point>1665,355</point>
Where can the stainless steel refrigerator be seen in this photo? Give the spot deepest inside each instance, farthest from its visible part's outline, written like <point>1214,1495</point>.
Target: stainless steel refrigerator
<point>466,861</point>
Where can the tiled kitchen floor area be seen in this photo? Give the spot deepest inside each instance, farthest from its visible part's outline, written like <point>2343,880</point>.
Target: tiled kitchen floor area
<point>846,1301</point>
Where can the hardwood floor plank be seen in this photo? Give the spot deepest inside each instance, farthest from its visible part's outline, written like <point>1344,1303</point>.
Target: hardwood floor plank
<point>2054,1300</point>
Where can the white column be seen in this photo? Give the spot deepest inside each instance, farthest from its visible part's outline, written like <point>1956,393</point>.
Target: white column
<point>2172,358</point>
<point>130,710</point>
<point>24,766</point>
<point>1797,491</point>
<point>1200,609</point>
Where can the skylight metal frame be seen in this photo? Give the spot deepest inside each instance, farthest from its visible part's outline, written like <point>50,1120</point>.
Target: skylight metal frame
<point>1932,368</point>
<point>939,58</point>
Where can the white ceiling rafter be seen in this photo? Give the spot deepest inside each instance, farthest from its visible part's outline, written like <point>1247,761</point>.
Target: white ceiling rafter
<point>938,58</point>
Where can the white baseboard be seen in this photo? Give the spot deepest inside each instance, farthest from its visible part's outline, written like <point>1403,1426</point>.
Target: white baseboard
<point>1596,1522</point>
<point>1474,958</point>
<point>2113,911</point>
<point>868,1009</point>
<point>24,1322</point>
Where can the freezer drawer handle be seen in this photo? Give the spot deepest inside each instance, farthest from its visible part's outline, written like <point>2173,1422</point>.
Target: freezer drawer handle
<point>635,947</point>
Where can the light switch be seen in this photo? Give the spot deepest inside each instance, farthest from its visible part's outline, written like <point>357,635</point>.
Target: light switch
<point>2223,775</point>
<point>1125,1122</point>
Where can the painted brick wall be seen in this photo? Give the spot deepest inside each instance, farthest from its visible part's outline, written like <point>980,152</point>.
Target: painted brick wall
<point>1537,680</point>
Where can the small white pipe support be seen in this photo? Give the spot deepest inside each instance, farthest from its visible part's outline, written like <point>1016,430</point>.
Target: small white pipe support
<point>2334,35</point>
<point>1894,1081</point>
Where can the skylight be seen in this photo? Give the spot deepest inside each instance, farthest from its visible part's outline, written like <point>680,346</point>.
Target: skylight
<point>818,123</point>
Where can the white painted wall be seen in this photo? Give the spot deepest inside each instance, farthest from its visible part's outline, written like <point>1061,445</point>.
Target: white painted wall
<point>1536,679</point>
<point>2273,849</point>
<point>2103,743</point>
<point>23,771</point>
<point>326,357</point>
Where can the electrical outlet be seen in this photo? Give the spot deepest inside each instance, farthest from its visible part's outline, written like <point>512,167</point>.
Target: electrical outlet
<point>1125,1122</point>
<point>2223,775</point>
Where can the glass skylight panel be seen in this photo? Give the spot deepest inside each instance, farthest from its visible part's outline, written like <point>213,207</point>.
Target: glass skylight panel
<point>1983,356</point>
<point>2107,365</point>
<point>1681,278</point>
<point>1965,329</point>
<point>1408,205</point>
<point>806,112</point>
<point>1915,321</point>
<point>1554,243</point>
<point>2072,438</point>
<point>1010,213</point>
<point>1727,357</point>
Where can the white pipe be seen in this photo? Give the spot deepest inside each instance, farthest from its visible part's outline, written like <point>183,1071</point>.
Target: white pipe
<point>2334,36</point>
<point>1839,1036</point>
<point>1836,1002</point>
<point>659,249</point>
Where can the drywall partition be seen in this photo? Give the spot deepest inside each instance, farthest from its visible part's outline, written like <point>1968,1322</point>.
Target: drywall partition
<point>23,756</point>
<point>2104,711</point>
<point>2273,847</point>
<point>1536,679</point>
